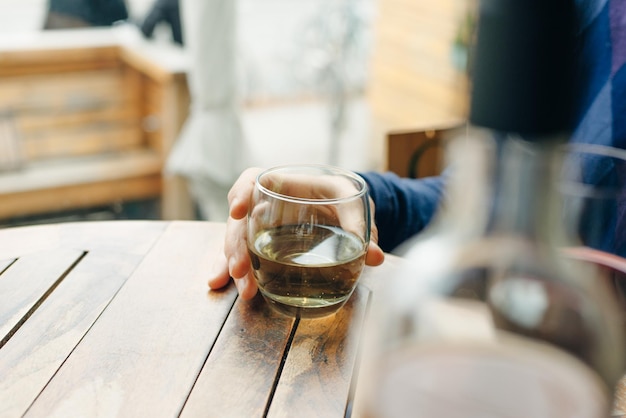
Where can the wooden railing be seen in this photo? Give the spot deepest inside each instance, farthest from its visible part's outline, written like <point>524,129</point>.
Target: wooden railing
<point>89,120</point>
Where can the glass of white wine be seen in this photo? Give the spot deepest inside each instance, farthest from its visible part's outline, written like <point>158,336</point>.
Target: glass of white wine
<point>308,232</point>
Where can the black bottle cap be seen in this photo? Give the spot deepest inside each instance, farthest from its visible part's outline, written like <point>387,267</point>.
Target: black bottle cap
<point>523,67</point>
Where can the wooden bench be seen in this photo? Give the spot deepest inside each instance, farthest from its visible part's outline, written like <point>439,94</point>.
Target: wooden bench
<point>88,119</point>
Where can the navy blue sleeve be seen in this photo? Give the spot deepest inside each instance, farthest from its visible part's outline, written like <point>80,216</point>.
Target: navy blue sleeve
<point>403,206</point>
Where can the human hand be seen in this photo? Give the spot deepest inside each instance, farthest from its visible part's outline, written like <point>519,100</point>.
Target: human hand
<point>235,261</point>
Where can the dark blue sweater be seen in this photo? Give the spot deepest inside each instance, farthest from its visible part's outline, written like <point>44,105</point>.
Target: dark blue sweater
<point>403,206</point>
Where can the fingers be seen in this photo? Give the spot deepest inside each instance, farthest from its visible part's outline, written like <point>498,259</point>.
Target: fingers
<point>246,286</point>
<point>219,276</point>
<point>239,194</point>
<point>375,256</point>
<point>236,249</point>
<point>235,262</point>
<point>236,252</point>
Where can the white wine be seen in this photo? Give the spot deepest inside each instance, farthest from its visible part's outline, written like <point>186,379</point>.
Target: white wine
<point>307,270</point>
<point>509,377</point>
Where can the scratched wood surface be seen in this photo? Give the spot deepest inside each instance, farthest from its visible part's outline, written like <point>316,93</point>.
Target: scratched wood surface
<point>115,319</point>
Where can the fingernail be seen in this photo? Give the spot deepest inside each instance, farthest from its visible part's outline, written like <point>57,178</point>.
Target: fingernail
<point>234,203</point>
<point>241,284</point>
<point>231,267</point>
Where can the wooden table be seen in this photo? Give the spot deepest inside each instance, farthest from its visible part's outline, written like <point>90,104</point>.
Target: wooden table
<point>115,319</point>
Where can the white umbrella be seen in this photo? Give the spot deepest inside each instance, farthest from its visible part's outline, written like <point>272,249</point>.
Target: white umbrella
<point>210,150</point>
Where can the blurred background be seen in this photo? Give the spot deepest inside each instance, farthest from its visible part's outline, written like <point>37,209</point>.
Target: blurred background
<point>113,122</point>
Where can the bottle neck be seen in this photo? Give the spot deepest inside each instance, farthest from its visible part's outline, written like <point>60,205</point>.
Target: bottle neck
<point>525,198</point>
<point>463,211</point>
<point>500,183</point>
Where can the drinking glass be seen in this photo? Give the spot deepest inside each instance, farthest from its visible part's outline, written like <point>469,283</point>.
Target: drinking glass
<point>308,232</point>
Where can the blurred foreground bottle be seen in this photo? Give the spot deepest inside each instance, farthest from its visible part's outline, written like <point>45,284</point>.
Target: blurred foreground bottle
<point>489,320</point>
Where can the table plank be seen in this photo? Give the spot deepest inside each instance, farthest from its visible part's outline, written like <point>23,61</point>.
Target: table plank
<point>57,326</point>
<point>317,375</point>
<point>18,296</point>
<point>142,356</point>
<point>238,377</point>
<point>620,399</point>
<point>5,263</point>
<point>104,235</point>
<point>17,242</point>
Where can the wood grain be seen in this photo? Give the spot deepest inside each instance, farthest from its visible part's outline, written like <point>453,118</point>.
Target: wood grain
<point>317,375</point>
<point>132,330</point>
<point>37,350</point>
<point>45,92</point>
<point>5,263</point>
<point>238,378</point>
<point>620,399</point>
<point>81,171</point>
<point>82,196</point>
<point>142,356</point>
<point>419,152</point>
<point>176,202</point>
<point>57,60</point>
<point>68,103</point>
<point>18,296</point>
<point>413,80</point>
<point>10,146</point>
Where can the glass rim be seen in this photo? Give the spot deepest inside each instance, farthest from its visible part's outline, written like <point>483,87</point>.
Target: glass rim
<point>330,169</point>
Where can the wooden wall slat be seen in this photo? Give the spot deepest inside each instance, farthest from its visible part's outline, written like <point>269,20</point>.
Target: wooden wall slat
<point>88,112</point>
<point>97,139</point>
<point>69,104</point>
<point>170,320</point>
<point>152,113</point>
<point>413,81</point>
<point>80,196</point>
<point>67,172</point>
<point>78,91</point>
<point>32,124</point>
<point>50,61</point>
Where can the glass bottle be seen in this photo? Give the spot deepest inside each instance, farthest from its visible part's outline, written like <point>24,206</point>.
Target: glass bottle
<point>488,319</point>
